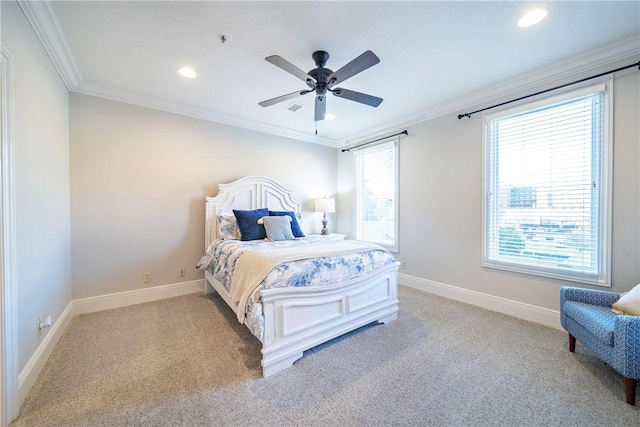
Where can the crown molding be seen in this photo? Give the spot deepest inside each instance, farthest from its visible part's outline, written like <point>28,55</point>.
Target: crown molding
<point>628,48</point>
<point>45,24</point>
<point>163,104</point>
<point>550,75</point>
<point>42,19</point>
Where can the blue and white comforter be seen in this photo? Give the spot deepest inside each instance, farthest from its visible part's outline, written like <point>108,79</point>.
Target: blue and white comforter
<point>221,257</point>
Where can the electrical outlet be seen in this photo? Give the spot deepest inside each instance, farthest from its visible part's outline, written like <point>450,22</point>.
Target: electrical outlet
<point>42,323</point>
<point>146,277</point>
<point>182,273</point>
<point>403,265</point>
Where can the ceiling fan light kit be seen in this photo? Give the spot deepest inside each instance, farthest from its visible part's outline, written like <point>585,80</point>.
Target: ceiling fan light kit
<point>322,80</point>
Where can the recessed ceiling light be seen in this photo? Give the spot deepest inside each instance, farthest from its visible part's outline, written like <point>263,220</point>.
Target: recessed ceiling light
<point>533,17</point>
<point>187,72</point>
<point>329,116</point>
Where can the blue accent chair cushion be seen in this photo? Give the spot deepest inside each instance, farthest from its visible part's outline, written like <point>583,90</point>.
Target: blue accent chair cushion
<point>598,320</point>
<point>586,314</point>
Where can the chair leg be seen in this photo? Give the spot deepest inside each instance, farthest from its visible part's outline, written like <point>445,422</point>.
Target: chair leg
<point>572,343</point>
<point>630,390</point>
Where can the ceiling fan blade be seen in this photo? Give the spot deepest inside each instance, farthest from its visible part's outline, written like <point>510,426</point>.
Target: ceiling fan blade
<point>279,61</point>
<point>361,63</point>
<point>362,98</point>
<point>277,99</point>
<point>321,107</point>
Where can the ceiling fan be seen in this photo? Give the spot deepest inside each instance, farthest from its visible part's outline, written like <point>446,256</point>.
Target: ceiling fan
<point>322,80</point>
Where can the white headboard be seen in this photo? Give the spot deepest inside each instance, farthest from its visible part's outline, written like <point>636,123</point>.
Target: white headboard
<point>251,192</point>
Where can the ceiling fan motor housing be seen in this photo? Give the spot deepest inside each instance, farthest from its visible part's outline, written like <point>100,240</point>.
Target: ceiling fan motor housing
<point>320,74</point>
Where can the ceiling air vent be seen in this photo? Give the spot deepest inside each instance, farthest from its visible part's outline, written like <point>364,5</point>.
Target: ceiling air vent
<point>293,107</point>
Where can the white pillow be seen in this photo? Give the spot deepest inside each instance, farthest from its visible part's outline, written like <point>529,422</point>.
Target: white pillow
<point>277,227</point>
<point>228,227</point>
<point>629,302</point>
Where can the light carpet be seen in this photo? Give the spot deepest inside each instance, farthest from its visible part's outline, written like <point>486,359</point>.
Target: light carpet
<point>186,361</point>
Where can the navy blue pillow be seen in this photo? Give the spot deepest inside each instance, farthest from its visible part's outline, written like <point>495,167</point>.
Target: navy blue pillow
<point>248,223</point>
<point>295,227</point>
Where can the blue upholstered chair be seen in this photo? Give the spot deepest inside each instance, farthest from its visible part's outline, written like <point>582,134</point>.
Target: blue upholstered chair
<point>586,314</point>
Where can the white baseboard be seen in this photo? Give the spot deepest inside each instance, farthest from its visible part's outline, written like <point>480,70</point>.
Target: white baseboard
<point>123,299</point>
<point>517,309</point>
<point>29,374</point>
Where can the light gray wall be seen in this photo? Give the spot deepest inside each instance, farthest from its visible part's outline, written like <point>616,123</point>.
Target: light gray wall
<point>441,203</point>
<point>41,141</point>
<point>139,178</point>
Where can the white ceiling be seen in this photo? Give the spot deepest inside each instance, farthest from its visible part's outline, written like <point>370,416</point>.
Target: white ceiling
<point>433,55</point>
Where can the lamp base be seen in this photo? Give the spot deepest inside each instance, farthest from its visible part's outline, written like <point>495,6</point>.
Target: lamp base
<point>325,230</point>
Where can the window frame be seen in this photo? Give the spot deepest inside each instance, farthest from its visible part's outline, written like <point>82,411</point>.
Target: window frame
<point>603,276</point>
<point>357,154</point>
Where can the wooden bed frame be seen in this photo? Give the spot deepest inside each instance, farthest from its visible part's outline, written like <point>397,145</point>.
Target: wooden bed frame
<point>299,318</point>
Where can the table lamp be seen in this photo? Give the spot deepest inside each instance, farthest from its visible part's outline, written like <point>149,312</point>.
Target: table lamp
<point>325,205</point>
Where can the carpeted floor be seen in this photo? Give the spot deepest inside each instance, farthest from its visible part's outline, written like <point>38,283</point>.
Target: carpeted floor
<point>186,361</point>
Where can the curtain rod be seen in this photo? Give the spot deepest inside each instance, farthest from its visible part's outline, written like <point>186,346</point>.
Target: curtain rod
<point>460,116</point>
<point>404,132</point>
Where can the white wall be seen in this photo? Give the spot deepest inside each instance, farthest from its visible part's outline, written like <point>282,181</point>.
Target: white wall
<point>41,141</point>
<point>139,178</point>
<point>441,203</point>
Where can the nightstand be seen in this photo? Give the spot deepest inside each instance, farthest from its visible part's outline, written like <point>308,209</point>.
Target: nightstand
<point>331,237</point>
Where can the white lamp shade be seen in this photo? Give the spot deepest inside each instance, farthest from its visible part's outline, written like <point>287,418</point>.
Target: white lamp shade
<point>326,204</point>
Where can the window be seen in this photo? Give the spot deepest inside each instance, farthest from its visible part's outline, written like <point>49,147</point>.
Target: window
<point>377,194</point>
<point>547,196</point>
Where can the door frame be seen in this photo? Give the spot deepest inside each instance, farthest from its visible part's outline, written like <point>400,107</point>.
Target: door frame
<point>8,278</point>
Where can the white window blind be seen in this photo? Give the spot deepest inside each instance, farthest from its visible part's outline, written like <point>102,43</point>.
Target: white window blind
<point>546,188</point>
<point>377,188</point>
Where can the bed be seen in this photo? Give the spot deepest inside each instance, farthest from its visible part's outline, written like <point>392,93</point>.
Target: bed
<point>295,318</point>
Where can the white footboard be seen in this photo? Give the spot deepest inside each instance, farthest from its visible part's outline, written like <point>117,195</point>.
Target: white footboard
<point>297,319</point>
